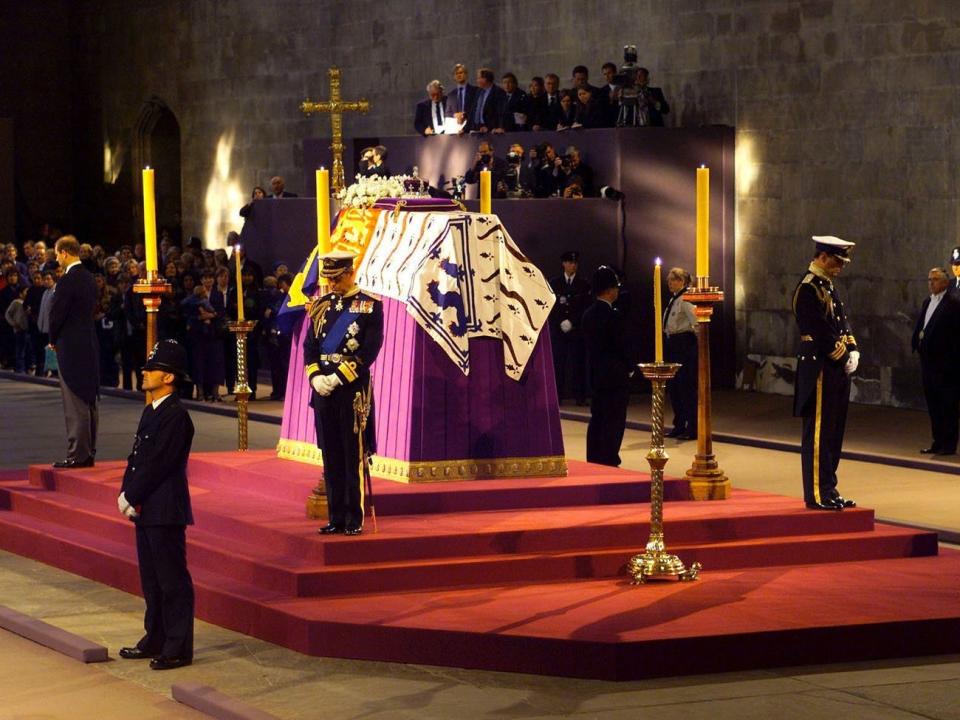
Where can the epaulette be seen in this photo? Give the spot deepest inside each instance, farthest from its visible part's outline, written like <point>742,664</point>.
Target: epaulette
<point>808,278</point>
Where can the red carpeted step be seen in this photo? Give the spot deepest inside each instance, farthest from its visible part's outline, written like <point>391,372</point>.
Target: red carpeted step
<point>608,629</point>
<point>881,543</point>
<point>503,532</point>
<point>586,484</point>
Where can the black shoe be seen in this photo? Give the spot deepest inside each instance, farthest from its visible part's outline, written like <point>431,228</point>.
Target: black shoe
<point>932,450</point>
<point>826,505</point>
<point>330,529</point>
<point>74,463</point>
<point>166,663</point>
<point>353,530</point>
<point>135,653</point>
<point>676,432</point>
<point>844,502</point>
<point>947,452</point>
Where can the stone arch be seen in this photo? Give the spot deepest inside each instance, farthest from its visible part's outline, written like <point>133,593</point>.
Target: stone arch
<point>156,142</point>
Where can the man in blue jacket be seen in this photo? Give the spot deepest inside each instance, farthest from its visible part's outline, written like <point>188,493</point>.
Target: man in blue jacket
<point>154,494</point>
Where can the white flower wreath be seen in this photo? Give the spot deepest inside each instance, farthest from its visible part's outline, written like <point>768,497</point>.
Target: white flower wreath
<point>367,190</point>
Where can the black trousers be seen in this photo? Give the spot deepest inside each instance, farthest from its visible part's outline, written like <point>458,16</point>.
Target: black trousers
<point>167,590</point>
<point>569,359</point>
<point>682,348</point>
<point>608,419</point>
<point>823,429</point>
<point>943,404</point>
<point>342,456</point>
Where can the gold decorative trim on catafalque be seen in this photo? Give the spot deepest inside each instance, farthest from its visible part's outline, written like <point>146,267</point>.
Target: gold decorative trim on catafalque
<point>406,471</point>
<point>470,469</point>
<point>299,451</point>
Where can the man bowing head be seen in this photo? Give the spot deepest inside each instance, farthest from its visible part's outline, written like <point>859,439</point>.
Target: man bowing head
<point>345,335</point>
<point>154,495</point>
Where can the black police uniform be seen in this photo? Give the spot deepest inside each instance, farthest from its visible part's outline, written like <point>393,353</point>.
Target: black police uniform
<point>345,336</point>
<point>155,484</point>
<point>611,364</point>
<point>569,352</point>
<point>822,390</point>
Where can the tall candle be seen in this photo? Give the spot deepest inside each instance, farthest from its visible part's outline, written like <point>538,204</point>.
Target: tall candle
<point>323,211</point>
<point>703,221</point>
<point>657,315</point>
<point>149,220</point>
<point>236,255</point>
<point>485,204</point>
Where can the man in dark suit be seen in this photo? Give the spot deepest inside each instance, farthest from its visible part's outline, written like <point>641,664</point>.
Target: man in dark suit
<point>487,113</point>
<point>551,112</point>
<point>345,335</point>
<point>155,496</point>
<point>278,186</point>
<point>536,103</point>
<point>461,100</point>
<point>515,106</point>
<point>936,338</point>
<point>611,365</point>
<point>431,113</point>
<point>73,335</point>
<point>827,357</point>
<point>566,333</point>
<point>486,160</point>
<point>651,98</point>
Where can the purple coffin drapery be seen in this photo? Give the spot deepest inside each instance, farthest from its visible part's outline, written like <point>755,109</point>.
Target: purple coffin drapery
<point>433,422</point>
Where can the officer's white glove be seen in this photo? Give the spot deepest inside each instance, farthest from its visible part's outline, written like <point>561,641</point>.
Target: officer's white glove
<point>852,361</point>
<point>122,504</point>
<point>333,381</point>
<point>566,325</point>
<point>131,513</point>
<point>318,383</point>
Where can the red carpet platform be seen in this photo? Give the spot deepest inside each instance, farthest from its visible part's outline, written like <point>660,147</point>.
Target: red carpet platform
<point>516,575</point>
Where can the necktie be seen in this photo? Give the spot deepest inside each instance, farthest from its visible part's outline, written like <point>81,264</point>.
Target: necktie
<point>460,92</point>
<point>479,116</point>
<point>436,107</point>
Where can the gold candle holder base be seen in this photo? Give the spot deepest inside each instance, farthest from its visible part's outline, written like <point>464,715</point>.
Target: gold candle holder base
<point>655,563</point>
<point>707,481</point>
<point>317,506</point>
<point>242,390</point>
<point>152,290</point>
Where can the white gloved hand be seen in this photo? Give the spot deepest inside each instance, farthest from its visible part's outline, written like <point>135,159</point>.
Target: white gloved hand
<point>130,512</point>
<point>334,381</point>
<point>853,360</point>
<point>122,504</point>
<point>566,325</point>
<point>318,384</point>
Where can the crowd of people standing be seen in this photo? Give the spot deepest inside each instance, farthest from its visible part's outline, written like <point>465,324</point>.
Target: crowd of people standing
<point>202,300</point>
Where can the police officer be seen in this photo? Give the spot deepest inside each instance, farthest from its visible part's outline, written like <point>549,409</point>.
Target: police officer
<point>828,356</point>
<point>566,336</point>
<point>611,365</point>
<point>155,496</point>
<point>345,335</point>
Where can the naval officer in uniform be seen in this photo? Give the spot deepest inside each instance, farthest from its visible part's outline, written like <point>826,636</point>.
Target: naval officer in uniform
<point>345,335</point>
<point>828,356</point>
<point>155,496</point>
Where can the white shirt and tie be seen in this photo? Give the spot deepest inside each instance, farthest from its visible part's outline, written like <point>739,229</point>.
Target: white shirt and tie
<point>437,117</point>
<point>932,307</point>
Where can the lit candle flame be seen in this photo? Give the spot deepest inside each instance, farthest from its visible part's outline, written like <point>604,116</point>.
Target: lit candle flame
<point>658,261</point>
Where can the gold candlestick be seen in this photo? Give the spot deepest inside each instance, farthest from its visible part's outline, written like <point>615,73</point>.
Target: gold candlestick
<point>242,389</point>
<point>707,480</point>
<point>152,289</point>
<point>655,563</point>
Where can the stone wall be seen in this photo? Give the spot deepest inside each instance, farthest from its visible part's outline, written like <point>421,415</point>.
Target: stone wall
<point>846,115</point>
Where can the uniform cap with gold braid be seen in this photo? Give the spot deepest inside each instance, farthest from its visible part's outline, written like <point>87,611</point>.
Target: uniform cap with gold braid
<point>335,263</point>
<point>834,246</point>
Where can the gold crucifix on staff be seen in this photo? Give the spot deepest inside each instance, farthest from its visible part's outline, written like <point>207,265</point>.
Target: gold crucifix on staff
<point>336,107</point>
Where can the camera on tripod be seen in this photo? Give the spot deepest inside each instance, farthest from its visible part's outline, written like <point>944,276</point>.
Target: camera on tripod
<point>626,78</point>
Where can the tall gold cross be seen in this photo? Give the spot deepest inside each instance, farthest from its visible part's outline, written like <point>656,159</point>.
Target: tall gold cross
<point>336,107</point>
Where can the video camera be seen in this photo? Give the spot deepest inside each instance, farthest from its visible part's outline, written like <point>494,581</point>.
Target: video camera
<point>626,78</point>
